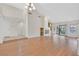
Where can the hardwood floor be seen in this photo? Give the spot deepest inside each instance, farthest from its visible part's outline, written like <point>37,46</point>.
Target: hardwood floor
<point>42,46</point>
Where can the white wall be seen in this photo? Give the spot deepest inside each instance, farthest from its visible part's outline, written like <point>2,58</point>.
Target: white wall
<point>12,21</point>
<point>4,26</point>
<point>34,24</point>
<point>46,26</point>
<point>45,22</point>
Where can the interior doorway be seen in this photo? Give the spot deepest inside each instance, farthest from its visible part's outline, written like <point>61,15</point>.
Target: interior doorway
<point>41,31</point>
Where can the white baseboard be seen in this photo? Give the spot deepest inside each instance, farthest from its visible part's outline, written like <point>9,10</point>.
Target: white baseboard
<point>32,36</point>
<point>8,38</point>
<point>17,37</point>
<point>13,38</point>
<point>1,40</point>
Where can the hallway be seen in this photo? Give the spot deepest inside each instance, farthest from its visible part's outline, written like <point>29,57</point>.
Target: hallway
<point>42,46</point>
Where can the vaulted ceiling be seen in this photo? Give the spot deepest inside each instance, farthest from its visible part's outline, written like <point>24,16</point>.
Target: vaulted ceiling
<point>17,5</point>
<point>56,12</point>
<point>59,12</point>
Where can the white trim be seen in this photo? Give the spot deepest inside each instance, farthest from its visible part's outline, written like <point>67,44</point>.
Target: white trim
<point>13,38</point>
<point>1,40</point>
<point>31,36</point>
<point>17,37</point>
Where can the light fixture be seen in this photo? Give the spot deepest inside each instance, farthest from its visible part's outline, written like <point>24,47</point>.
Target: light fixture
<point>30,7</point>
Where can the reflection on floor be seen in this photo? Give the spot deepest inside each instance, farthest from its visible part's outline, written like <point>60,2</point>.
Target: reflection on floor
<point>42,46</point>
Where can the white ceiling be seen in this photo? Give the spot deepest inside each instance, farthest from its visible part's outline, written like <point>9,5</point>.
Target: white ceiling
<point>17,5</point>
<point>57,12</point>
